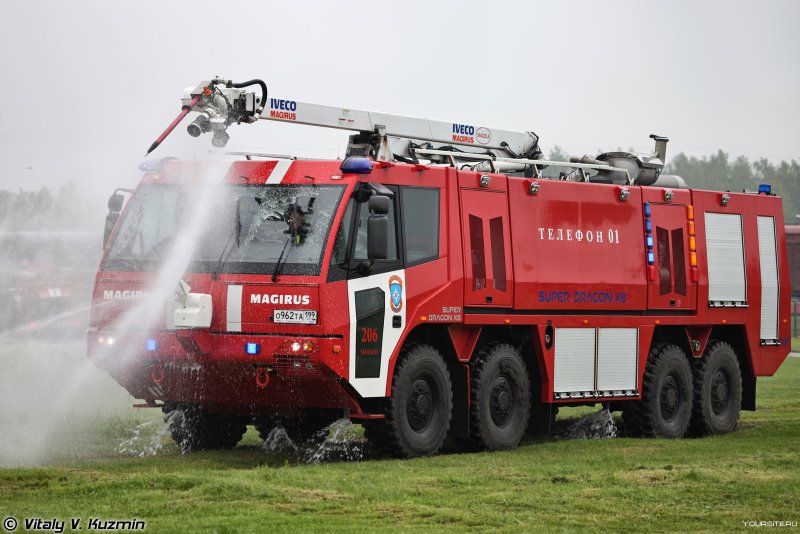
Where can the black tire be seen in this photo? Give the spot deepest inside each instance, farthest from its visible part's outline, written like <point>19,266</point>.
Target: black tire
<point>500,398</point>
<point>666,406</point>
<point>419,410</point>
<point>717,390</point>
<point>193,428</point>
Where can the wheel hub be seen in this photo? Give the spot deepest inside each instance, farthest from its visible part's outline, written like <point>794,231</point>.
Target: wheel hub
<point>420,405</point>
<point>670,398</point>
<point>501,401</point>
<point>720,393</point>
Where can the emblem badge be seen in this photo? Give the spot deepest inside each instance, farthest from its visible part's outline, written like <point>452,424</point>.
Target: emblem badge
<point>396,293</point>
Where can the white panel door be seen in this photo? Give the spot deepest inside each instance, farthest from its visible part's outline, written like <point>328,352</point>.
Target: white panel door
<point>574,360</point>
<point>726,276</point>
<point>768,255</point>
<point>617,351</point>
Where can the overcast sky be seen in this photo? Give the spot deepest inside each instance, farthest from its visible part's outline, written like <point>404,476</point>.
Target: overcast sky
<point>90,84</point>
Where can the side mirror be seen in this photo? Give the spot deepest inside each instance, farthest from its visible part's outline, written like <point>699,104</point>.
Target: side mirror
<point>379,205</point>
<point>378,228</point>
<point>115,202</point>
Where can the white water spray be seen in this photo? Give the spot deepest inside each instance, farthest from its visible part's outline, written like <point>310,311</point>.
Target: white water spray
<point>53,400</point>
<point>340,441</point>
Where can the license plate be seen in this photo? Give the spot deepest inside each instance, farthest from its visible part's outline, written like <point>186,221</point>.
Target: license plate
<point>295,316</point>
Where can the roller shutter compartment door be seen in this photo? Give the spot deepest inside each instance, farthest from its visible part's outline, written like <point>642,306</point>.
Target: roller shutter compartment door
<point>768,256</point>
<point>725,248</point>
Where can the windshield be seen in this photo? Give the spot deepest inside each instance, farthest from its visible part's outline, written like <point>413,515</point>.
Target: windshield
<point>247,228</point>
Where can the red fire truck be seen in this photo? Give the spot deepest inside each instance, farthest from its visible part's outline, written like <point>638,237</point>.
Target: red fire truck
<point>440,281</point>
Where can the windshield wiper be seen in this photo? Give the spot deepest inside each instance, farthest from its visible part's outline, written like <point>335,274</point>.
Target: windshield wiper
<point>237,228</point>
<point>278,264</point>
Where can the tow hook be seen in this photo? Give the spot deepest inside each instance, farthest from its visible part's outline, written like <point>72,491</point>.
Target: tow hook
<point>157,373</point>
<point>262,376</point>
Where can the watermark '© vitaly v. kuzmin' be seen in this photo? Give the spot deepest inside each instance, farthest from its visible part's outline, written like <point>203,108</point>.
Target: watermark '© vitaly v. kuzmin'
<point>38,524</point>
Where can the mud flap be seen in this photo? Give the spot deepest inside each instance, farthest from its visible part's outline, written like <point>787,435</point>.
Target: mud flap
<point>459,424</point>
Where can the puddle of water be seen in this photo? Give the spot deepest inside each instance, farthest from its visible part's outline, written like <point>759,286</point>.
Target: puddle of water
<point>597,425</point>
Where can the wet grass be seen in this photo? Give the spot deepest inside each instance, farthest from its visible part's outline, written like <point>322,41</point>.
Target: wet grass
<point>618,485</point>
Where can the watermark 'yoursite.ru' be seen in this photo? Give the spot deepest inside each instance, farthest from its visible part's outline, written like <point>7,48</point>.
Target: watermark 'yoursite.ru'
<point>773,524</point>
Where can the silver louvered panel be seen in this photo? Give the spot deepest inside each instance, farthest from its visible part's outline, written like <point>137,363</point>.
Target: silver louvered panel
<point>726,277</point>
<point>574,359</point>
<point>769,278</point>
<point>617,351</point>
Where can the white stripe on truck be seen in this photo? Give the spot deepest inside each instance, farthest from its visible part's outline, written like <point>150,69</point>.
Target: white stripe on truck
<point>234,309</point>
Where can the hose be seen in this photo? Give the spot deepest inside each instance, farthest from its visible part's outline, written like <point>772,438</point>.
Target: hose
<point>249,83</point>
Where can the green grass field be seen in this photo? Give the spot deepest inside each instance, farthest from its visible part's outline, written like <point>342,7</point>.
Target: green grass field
<point>619,485</point>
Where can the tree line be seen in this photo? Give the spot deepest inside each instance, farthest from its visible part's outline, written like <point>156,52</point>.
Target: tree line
<point>66,209</point>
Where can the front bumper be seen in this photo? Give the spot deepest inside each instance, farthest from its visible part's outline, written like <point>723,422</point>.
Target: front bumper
<point>227,370</point>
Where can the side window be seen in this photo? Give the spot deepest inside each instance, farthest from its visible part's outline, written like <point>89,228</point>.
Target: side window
<point>342,242</point>
<point>361,233</point>
<point>420,223</point>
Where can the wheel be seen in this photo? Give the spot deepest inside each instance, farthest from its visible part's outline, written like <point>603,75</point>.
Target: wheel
<point>666,406</point>
<point>193,428</point>
<point>501,398</point>
<point>717,390</point>
<point>419,410</point>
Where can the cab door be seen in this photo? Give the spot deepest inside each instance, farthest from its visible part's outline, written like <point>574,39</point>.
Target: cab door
<point>487,245</point>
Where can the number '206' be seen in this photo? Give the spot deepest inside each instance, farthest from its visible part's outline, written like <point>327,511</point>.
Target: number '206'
<point>369,335</point>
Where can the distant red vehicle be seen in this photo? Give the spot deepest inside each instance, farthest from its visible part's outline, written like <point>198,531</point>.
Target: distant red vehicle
<point>793,248</point>
<point>46,279</point>
<point>429,299</point>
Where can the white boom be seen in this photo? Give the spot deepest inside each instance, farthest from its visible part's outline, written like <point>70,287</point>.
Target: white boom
<point>380,135</point>
<point>385,137</point>
<point>402,131</point>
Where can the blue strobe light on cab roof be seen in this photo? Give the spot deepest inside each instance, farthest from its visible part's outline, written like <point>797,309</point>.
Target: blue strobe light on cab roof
<point>765,189</point>
<point>357,165</point>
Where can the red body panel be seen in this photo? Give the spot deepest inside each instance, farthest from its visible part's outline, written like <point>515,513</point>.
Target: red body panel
<point>570,255</point>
